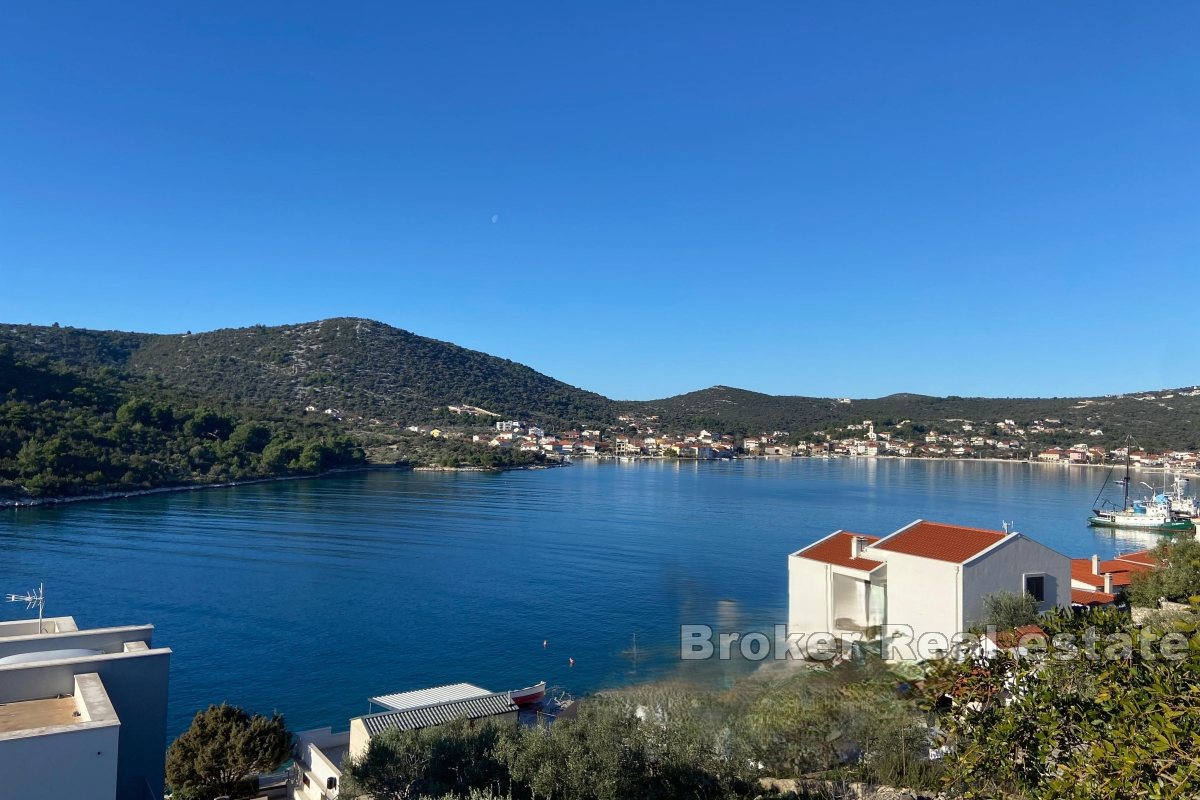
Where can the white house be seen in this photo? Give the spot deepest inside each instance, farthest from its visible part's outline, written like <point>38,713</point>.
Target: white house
<point>929,577</point>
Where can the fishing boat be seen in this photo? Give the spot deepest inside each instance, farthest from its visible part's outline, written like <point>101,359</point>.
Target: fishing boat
<point>1183,505</point>
<point>1153,514</point>
<point>528,695</point>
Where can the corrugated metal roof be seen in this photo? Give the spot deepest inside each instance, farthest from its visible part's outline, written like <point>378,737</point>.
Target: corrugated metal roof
<point>439,714</point>
<point>403,701</point>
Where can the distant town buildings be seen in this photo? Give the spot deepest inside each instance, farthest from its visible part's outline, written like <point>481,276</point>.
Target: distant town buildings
<point>645,437</point>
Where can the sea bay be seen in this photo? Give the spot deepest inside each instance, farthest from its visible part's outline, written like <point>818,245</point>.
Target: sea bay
<point>307,597</point>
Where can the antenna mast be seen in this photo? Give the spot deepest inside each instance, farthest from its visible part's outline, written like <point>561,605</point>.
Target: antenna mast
<point>32,599</point>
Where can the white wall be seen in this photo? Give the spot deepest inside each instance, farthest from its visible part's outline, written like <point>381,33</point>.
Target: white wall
<point>808,596</point>
<point>849,601</point>
<point>136,684</point>
<point>1003,570</point>
<point>922,593</point>
<point>316,764</point>
<point>80,764</point>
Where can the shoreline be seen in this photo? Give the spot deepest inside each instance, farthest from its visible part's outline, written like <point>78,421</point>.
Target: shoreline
<point>37,502</point>
<point>515,468</point>
<point>953,460</point>
<point>99,497</point>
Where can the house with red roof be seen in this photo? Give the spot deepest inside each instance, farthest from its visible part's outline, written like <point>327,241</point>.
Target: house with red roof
<point>1097,583</point>
<point>926,578</point>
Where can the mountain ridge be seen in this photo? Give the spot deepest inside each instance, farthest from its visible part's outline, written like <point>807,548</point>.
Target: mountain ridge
<point>360,367</point>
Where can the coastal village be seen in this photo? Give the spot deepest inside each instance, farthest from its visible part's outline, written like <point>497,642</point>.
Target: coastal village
<point>644,437</point>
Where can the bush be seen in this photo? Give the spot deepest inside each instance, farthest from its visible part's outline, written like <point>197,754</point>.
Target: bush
<point>1177,579</point>
<point>1007,610</point>
<point>222,751</point>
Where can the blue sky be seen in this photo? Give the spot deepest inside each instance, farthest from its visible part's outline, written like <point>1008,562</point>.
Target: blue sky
<point>641,199</point>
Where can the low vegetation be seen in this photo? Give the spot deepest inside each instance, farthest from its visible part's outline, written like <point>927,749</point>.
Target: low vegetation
<point>668,741</point>
<point>1105,710</point>
<point>1110,719</point>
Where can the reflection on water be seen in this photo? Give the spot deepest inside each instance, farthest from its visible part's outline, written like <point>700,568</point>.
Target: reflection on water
<point>309,596</point>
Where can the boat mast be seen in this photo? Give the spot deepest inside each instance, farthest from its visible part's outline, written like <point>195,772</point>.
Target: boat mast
<point>1126,505</point>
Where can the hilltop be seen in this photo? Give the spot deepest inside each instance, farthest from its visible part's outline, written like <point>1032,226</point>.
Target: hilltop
<point>1166,419</point>
<point>357,367</point>
<point>311,383</point>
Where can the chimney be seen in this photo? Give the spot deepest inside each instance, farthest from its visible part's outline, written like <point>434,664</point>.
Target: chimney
<point>1108,583</point>
<point>1095,564</point>
<point>855,546</point>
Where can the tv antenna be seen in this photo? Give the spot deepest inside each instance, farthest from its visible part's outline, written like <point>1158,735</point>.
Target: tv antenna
<point>32,599</point>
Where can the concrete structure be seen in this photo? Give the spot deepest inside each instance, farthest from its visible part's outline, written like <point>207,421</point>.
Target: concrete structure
<point>319,753</point>
<point>83,714</point>
<point>927,576</point>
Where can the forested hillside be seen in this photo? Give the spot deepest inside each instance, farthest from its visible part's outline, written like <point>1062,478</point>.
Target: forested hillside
<point>67,430</point>
<point>1167,419</point>
<point>384,378</point>
<point>360,367</point>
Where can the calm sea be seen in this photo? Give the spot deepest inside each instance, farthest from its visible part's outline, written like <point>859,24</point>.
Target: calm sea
<point>307,597</point>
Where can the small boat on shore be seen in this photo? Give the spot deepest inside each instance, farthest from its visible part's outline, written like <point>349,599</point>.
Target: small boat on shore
<point>529,695</point>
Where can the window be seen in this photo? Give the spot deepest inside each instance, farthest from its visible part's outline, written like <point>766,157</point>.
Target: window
<point>1036,586</point>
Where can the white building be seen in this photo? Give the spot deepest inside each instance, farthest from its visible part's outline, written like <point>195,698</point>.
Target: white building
<point>83,714</point>
<point>929,577</point>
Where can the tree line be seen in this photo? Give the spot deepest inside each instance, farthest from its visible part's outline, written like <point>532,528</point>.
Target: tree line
<point>67,431</point>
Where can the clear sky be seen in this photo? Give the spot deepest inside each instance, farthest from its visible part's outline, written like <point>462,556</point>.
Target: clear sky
<point>641,199</point>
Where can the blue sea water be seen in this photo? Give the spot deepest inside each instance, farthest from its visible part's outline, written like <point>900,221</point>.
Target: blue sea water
<point>307,597</point>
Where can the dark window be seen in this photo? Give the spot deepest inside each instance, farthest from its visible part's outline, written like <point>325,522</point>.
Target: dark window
<point>1036,586</point>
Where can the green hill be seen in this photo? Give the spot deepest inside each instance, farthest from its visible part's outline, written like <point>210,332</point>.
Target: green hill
<point>1164,419</point>
<point>360,367</point>
<point>68,430</point>
<point>63,390</point>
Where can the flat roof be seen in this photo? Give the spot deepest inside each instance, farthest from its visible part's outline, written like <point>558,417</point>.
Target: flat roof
<point>428,716</point>
<point>451,692</point>
<point>31,714</point>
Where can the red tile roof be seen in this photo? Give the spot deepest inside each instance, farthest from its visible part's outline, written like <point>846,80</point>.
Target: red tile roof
<point>1140,557</point>
<point>1082,597</point>
<point>1122,571</point>
<point>835,549</point>
<point>1012,639</point>
<point>953,543</point>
